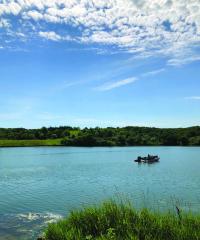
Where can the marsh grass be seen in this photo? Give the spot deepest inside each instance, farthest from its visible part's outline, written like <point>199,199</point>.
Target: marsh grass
<point>120,221</point>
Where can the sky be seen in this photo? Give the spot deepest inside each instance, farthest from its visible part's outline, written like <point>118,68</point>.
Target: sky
<point>103,63</point>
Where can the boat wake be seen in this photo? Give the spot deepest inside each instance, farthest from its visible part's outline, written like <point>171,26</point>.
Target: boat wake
<point>45,217</point>
<point>25,225</point>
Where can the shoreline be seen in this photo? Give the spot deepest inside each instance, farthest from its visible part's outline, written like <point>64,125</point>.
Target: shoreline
<point>99,137</point>
<point>27,143</point>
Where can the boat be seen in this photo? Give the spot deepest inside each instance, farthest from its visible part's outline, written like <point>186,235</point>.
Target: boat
<point>148,159</point>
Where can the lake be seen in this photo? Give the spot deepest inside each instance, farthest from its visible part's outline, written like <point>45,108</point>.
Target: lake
<point>41,184</point>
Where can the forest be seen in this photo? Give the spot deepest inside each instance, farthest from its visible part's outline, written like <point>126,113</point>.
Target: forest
<point>125,136</point>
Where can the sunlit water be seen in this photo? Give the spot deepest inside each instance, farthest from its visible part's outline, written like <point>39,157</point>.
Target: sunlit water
<point>39,185</point>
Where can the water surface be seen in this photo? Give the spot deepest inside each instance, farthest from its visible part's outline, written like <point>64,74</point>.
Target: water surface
<point>39,185</point>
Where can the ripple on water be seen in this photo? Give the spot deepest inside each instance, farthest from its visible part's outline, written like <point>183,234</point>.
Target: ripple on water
<point>48,179</point>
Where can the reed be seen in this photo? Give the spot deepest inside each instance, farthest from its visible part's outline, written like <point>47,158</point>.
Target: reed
<point>120,221</point>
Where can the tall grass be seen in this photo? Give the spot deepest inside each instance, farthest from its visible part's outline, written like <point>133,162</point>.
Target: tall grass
<point>120,221</point>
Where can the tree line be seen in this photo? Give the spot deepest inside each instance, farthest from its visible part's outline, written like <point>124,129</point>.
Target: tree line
<point>126,136</point>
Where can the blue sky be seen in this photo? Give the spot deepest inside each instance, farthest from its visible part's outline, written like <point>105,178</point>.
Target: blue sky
<point>99,63</point>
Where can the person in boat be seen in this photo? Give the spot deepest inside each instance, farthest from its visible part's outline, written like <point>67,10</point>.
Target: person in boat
<point>151,157</point>
<point>138,159</point>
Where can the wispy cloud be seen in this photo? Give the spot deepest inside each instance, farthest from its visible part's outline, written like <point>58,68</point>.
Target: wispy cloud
<point>10,116</point>
<point>112,85</point>
<point>48,116</point>
<point>64,85</point>
<point>186,57</point>
<point>155,72</point>
<point>193,98</point>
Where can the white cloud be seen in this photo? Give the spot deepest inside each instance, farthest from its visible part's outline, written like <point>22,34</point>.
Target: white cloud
<point>50,36</point>
<point>10,7</point>
<point>145,28</point>
<point>34,15</point>
<point>4,23</point>
<point>54,36</point>
<point>112,85</point>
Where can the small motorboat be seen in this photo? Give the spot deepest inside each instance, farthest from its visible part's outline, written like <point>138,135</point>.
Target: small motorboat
<point>148,159</point>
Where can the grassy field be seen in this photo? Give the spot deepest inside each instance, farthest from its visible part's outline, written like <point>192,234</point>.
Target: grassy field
<point>112,221</point>
<point>30,143</point>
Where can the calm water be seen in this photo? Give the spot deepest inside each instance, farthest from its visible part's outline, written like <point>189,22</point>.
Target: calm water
<point>39,185</point>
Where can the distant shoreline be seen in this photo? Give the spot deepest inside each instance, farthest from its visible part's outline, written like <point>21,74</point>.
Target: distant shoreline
<point>57,143</point>
<point>99,137</point>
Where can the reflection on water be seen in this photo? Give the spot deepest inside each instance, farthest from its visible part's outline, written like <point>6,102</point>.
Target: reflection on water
<point>39,185</point>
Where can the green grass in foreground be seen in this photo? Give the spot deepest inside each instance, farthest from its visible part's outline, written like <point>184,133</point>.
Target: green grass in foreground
<point>30,143</point>
<point>112,221</point>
